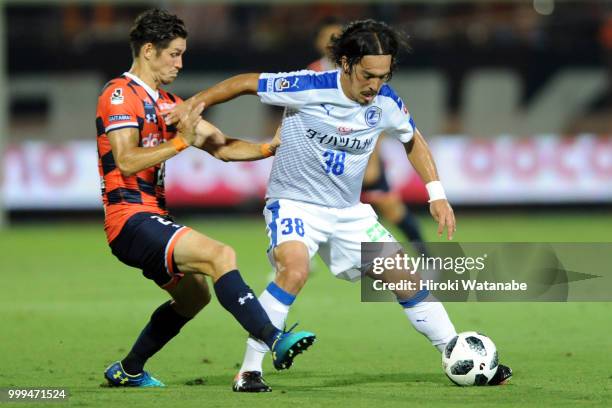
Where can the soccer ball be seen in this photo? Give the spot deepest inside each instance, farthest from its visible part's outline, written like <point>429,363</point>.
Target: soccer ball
<point>470,358</point>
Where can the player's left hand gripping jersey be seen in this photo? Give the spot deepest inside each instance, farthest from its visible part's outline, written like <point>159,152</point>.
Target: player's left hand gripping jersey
<point>327,138</point>
<point>127,102</point>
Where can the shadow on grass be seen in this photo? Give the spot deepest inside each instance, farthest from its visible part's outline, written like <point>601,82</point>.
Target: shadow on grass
<point>312,380</point>
<point>334,381</point>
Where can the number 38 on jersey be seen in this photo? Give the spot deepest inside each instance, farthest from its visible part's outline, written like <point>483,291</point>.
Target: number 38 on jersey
<point>334,162</point>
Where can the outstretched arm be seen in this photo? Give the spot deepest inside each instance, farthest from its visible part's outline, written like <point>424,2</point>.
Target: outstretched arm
<point>239,150</point>
<point>222,147</point>
<point>243,84</point>
<point>420,157</point>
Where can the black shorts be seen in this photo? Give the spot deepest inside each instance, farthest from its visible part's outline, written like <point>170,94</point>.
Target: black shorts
<point>147,242</point>
<point>380,185</point>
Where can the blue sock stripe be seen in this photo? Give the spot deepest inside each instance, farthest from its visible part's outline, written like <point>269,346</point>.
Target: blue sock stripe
<point>273,207</point>
<point>280,294</point>
<point>415,300</point>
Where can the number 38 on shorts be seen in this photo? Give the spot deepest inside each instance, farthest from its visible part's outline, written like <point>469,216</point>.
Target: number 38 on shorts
<point>335,233</point>
<point>292,225</point>
<point>285,222</point>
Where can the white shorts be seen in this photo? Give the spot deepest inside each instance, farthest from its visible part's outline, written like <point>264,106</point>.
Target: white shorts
<point>335,233</point>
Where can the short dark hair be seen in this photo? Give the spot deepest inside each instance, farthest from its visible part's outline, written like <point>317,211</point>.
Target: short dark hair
<point>367,37</point>
<point>155,26</point>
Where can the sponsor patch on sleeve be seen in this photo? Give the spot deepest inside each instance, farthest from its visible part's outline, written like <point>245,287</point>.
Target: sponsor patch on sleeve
<point>118,118</point>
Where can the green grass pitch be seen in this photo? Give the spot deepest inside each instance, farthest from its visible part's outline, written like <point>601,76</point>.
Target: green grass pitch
<point>68,308</point>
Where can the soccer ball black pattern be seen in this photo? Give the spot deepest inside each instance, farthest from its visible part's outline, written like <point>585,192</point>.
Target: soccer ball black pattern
<point>470,358</point>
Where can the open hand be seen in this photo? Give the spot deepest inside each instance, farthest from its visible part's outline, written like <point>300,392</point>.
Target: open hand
<point>173,115</point>
<point>188,122</point>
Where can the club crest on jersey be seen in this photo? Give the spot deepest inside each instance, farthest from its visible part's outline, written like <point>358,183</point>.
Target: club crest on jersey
<point>373,115</point>
<point>117,97</point>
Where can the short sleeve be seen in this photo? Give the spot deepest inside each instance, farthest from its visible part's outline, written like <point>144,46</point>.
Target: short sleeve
<point>117,108</point>
<point>294,89</point>
<point>401,124</point>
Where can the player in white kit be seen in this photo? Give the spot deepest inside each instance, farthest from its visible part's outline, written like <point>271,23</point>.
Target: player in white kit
<point>330,126</point>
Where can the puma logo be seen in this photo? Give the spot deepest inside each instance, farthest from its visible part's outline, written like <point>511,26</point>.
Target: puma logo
<point>327,107</point>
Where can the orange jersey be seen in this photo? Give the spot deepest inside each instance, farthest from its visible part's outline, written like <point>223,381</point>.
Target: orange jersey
<point>127,102</point>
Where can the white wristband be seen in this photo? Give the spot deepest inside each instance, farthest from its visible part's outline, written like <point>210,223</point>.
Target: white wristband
<point>435,191</point>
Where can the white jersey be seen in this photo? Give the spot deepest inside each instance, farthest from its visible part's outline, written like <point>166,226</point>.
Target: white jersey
<point>327,138</point>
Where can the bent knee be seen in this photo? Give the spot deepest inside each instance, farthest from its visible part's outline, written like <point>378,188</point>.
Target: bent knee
<point>224,260</point>
<point>227,254</point>
<point>220,259</point>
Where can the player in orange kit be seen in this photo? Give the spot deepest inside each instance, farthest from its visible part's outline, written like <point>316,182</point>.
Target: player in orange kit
<point>133,144</point>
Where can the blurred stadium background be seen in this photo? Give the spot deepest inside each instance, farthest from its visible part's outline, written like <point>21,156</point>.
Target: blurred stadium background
<point>514,97</point>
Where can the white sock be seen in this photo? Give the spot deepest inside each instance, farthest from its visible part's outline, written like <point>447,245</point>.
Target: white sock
<point>430,319</point>
<point>256,350</point>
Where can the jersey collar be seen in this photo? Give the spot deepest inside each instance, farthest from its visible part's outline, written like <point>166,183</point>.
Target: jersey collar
<point>153,94</point>
<point>343,96</point>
